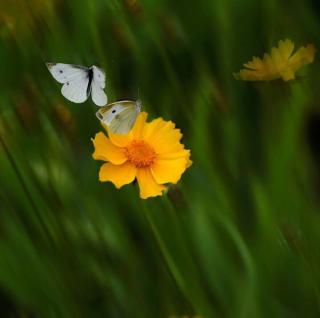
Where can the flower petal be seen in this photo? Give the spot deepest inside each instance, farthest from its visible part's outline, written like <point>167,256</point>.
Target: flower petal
<point>279,64</point>
<point>182,153</point>
<point>147,184</point>
<point>277,59</point>
<point>119,140</point>
<point>163,136</point>
<point>139,125</point>
<point>119,175</point>
<point>169,170</point>
<point>105,150</point>
<point>286,48</point>
<point>255,64</point>
<point>304,55</point>
<point>189,163</point>
<point>287,75</point>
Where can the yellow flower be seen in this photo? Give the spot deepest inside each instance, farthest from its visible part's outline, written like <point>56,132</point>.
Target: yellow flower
<point>150,152</point>
<point>281,63</point>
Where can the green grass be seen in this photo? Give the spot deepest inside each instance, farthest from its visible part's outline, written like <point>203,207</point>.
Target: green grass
<point>237,237</point>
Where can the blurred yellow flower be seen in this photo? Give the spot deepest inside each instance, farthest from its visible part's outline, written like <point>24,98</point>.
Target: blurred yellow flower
<point>150,152</point>
<point>281,63</point>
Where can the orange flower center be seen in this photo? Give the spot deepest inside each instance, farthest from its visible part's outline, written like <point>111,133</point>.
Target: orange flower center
<point>140,153</point>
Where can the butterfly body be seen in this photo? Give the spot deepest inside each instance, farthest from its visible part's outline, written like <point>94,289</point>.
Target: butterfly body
<point>79,82</point>
<point>120,116</point>
<point>90,76</point>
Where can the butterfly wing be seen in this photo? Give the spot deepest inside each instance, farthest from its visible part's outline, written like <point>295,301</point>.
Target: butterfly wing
<point>75,79</point>
<point>124,122</point>
<point>98,95</point>
<point>76,90</point>
<point>63,73</point>
<point>119,116</point>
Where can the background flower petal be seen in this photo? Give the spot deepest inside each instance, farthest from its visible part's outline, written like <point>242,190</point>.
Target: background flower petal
<point>279,64</point>
<point>304,55</point>
<point>286,48</point>
<point>106,150</point>
<point>287,75</point>
<point>119,175</point>
<point>147,184</point>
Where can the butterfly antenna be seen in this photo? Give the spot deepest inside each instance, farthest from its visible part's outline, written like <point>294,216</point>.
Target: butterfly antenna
<point>139,100</point>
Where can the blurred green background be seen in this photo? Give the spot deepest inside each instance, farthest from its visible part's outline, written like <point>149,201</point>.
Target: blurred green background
<point>239,236</point>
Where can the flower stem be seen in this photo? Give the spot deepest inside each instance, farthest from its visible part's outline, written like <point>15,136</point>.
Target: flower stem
<point>166,254</point>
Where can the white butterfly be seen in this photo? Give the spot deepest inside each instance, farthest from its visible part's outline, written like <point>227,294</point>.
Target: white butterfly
<point>79,81</point>
<point>119,116</point>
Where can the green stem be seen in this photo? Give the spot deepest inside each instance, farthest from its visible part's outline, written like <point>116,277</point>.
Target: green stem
<point>166,255</point>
